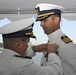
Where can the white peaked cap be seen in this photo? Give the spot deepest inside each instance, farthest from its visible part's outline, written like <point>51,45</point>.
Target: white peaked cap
<point>47,6</point>
<point>20,28</point>
<point>16,26</point>
<point>44,10</point>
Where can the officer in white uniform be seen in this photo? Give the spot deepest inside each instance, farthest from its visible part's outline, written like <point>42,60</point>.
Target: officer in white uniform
<point>12,59</point>
<point>67,49</point>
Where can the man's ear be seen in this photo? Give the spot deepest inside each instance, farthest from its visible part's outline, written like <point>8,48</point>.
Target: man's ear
<point>56,20</point>
<point>18,44</point>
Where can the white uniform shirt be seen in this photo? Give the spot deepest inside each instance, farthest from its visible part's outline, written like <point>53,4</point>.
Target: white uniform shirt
<point>10,64</point>
<point>67,53</point>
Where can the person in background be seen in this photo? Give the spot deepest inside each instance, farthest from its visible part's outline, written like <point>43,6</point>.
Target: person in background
<point>13,60</point>
<point>50,17</point>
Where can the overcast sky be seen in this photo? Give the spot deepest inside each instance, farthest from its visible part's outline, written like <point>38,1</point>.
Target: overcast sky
<point>68,27</point>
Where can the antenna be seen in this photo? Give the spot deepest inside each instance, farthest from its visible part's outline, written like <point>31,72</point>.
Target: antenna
<point>18,13</point>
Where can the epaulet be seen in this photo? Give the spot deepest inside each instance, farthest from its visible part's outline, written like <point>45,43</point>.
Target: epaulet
<point>23,57</point>
<point>66,39</point>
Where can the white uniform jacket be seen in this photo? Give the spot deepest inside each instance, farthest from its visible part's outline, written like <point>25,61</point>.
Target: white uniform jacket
<point>67,52</point>
<point>12,64</point>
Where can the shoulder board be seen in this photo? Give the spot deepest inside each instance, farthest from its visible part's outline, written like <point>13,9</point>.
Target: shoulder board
<point>66,39</point>
<point>23,57</point>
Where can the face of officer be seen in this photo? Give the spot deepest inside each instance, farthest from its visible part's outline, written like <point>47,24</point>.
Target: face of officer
<point>18,45</point>
<point>50,24</point>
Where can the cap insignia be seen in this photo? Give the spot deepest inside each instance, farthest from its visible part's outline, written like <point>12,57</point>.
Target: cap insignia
<point>29,33</point>
<point>37,10</point>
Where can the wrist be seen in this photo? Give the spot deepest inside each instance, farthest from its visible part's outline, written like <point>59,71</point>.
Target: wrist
<point>33,48</point>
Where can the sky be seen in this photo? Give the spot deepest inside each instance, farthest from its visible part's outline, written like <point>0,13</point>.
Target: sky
<point>2,23</point>
<point>67,27</point>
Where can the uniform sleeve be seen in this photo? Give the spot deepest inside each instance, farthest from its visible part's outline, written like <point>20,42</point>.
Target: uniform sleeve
<point>53,67</point>
<point>30,52</point>
<point>56,62</point>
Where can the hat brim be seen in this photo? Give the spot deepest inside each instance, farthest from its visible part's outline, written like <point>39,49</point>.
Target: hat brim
<point>44,16</point>
<point>23,33</point>
<point>32,36</point>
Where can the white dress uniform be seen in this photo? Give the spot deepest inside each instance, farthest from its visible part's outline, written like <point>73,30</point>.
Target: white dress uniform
<point>66,50</point>
<point>12,64</point>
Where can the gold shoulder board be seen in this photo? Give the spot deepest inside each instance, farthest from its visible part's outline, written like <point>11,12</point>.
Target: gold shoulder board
<point>66,39</point>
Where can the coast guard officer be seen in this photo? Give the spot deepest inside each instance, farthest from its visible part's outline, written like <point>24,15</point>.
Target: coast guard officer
<point>16,36</point>
<point>50,16</point>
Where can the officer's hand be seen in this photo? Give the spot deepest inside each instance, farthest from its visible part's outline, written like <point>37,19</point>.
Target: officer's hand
<point>52,48</point>
<point>40,48</point>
